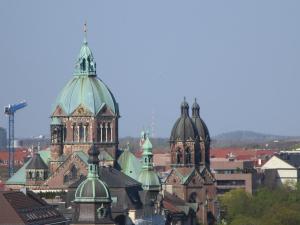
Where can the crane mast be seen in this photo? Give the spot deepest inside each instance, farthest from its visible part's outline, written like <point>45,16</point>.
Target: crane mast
<point>10,112</point>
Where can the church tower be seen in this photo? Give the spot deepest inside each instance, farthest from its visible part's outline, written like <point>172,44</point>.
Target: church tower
<point>84,114</point>
<point>184,140</point>
<point>92,197</point>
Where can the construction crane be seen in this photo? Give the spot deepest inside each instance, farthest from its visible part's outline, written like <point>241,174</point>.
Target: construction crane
<point>10,112</point>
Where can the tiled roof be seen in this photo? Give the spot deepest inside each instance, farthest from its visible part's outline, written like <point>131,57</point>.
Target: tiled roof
<point>241,153</point>
<point>27,209</point>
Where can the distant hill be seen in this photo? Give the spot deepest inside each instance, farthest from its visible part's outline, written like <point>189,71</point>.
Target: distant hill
<point>244,138</point>
<point>230,139</point>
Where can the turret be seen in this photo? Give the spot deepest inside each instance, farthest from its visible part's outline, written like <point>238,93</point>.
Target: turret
<point>92,197</point>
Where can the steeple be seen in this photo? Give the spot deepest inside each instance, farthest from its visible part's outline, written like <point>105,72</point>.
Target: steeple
<point>195,109</point>
<point>92,196</point>
<point>184,108</point>
<point>85,63</point>
<point>148,177</point>
<point>147,153</point>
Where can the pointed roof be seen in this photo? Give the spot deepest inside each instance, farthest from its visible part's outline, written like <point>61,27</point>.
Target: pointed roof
<point>37,163</point>
<point>129,164</point>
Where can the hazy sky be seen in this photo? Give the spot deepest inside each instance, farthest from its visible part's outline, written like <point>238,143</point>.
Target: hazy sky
<point>239,58</point>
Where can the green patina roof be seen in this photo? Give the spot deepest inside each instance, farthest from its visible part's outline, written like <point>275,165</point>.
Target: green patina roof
<point>83,156</point>
<point>129,164</point>
<point>85,89</point>
<point>149,180</point>
<point>92,189</point>
<point>147,147</point>
<point>88,92</point>
<point>20,176</point>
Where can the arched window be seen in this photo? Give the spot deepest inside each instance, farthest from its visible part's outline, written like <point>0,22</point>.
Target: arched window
<point>64,133</point>
<point>86,135</point>
<point>98,132</point>
<point>103,132</point>
<point>178,156</point>
<point>73,173</point>
<point>81,133</point>
<point>74,133</point>
<point>83,65</point>
<point>30,174</point>
<point>37,175</point>
<point>187,156</point>
<point>54,135</point>
<point>193,197</point>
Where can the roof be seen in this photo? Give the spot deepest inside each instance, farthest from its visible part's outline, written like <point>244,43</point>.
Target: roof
<point>20,154</point>
<point>26,208</point>
<point>37,163</point>
<point>85,89</point>
<point>129,164</point>
<point>20,176</point>
<point>149,180</point>
<point>113,178</point>
<point>176,205</point>
<point>241,153</point>
<point>92,190</point>
<point>277,163</point>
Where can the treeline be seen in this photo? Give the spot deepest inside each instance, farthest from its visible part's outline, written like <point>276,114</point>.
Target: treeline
<point>280,206</point>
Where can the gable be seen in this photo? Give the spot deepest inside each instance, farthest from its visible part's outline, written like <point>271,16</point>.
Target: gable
<point>195,179</point>
<point>56,180</point>
<point>105,111</point>
<point>173,178</point>
<point>59,112</point>
<point>277,163</point>
<point>81,110</point>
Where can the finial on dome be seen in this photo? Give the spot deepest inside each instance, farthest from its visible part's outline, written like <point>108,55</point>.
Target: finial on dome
<point>85,32</point>
<point>184,107</point>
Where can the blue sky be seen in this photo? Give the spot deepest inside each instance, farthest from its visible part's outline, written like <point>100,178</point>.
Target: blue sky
<point>240,59</point>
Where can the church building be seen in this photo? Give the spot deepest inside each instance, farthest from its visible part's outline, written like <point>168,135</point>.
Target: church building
<point>106,185</point>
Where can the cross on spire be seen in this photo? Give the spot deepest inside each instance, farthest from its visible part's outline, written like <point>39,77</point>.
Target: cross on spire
<point>85,31</point>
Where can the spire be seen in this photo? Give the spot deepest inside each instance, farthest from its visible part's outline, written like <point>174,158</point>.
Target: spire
<point>93,162</point>
<point>184,108</point>
<point>85,63</point>
<point>196,109</point>
<point>148,178</point>
<point>147,153</point>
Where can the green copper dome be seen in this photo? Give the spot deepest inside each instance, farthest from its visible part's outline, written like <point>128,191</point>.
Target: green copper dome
<point>92,190</point>
<point>85,89</point>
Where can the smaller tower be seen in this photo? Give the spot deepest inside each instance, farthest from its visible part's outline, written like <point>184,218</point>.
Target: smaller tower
<point>36,170</point>
<point>56,131</point>
<point>92,197</point>
<point>184,140</point>
<point>203,134</point>
<point>149,179</point>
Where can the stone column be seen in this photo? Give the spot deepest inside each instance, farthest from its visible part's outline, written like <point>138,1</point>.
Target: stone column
<point>106,126</point>
<point>101,126</point>
<point>111,133</point>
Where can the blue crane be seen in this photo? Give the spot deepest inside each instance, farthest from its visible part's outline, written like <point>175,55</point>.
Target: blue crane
<point>10,112</point>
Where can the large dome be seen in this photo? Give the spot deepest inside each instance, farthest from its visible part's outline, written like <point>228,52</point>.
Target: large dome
<point>85,89</point>
<point>184,127</point>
